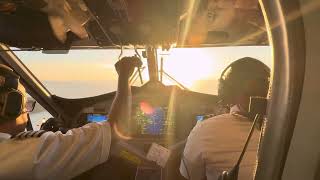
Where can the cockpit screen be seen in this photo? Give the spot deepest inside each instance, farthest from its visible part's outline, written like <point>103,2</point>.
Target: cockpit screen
<point>97,117</point>
<point>153,120</point>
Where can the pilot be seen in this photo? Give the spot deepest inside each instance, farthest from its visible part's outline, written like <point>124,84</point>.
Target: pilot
<point>214,145</point>
<point>54,155</point>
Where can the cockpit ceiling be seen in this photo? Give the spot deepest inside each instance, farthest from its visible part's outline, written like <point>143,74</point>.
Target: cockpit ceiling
<point>59,24</point>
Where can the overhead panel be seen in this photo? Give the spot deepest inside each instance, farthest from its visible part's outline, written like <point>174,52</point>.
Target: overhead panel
<point>136,22</point>
<point>221,22</point>
<point>62,24</point>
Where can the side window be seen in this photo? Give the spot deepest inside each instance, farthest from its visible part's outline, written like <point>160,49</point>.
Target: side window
<point>38,116</point>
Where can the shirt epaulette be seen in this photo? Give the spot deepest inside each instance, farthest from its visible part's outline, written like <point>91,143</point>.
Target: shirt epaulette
<point>29,134</point>
<point>242,114</point>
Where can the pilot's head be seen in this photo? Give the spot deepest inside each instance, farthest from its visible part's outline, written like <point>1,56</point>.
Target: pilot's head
<point>241,79</point>
<point>13,116</point>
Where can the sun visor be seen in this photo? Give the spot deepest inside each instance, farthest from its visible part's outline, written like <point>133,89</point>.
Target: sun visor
<point>66,16</point>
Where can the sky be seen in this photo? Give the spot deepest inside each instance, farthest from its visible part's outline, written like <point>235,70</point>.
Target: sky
<point>92,72</point>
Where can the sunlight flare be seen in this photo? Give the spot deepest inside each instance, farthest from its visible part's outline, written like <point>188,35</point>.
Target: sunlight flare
<point>189,66</point>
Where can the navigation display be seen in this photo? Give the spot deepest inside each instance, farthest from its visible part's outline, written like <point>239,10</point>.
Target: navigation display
<point>153,120</point>
<point>97,117</point>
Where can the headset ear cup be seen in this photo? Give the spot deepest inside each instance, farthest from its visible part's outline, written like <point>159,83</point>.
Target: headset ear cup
<point>11,104</point>
<point>221,94</point>
<point>225,92</point>
<point>15,103</point>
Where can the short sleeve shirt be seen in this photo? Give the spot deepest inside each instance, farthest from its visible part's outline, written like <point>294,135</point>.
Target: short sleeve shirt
<point>55,155</point>
<point>214,146</point>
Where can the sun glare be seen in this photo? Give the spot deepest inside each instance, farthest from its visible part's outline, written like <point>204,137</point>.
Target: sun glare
<point>187,66</point>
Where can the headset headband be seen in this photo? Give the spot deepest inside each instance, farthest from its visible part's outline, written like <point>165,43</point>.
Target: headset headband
<point>245,60</point>
<point>243,71</point>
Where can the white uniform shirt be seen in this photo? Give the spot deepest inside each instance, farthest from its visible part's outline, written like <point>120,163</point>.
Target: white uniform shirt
<point>55,155</point>
<point>214,146</point>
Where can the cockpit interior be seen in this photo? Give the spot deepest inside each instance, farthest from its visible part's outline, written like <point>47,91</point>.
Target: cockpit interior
<point>64,52</point>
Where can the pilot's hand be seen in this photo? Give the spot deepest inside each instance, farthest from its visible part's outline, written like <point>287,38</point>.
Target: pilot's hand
<point>50,125</point>
<point>126,65</point>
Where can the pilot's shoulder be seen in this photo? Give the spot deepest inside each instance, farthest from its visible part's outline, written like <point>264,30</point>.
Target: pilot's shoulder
<point>211,121</point>
<point>213,125</point>
<point>29,134</point>
<point>225,120</point>
<point>219,118</point>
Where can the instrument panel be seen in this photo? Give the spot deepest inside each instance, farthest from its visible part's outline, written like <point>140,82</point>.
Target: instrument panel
<point>159,113</point>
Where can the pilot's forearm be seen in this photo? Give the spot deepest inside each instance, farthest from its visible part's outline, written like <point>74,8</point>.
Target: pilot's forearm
<point>121,106</point>
<point>124,89</point>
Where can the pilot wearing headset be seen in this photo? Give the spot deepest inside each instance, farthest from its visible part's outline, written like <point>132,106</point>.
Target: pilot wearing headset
<point>49,155</point>
<point>214,145</point>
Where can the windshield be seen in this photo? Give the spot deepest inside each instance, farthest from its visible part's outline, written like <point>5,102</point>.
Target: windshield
<point>86,73</point>
<point>78,74</point>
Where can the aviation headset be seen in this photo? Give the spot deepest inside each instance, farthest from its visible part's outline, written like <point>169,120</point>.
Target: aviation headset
<point>246,76</point>
<point>11,98</point>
